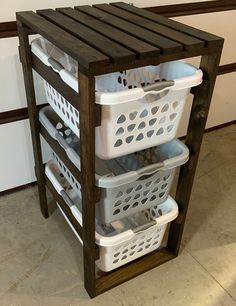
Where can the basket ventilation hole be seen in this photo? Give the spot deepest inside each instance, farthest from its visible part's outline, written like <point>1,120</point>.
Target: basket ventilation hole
<point>153,198</point>
<point>148,184</point>
<point>144,113</point>
<point>133,247</point>
<point>118,143</point>
<point>144,201</point>
<point>139,187</point>
<point>131,253</point>
<point>131,127</point>
<point>120,131</point>
<point>127,199</point>
<point>161,194</point>
<point>133,115</point>
<point>170,127</point>
<point>121,119</point>
<point>175,104</point>
<point>129,190</point>
<point>152,121</point>
<point>141,125</point>
<point>141,243</point>
<point>154,110</point>
<point>172,116</point>
<point>146,192</point>
<point>116,212</point>
<point>63,111</point>
<point>135,204</point>
<point>118,203</point>
<point>166,177</point>
<point>150,133</point>
<point>129,139</point>
<point>126,207</point>
<point>147,246</point>
<point>124,257</point>
<point>115,261</point>
<point>164,186</point>
<point>116,254</point>
<point>140,250</point>
<point>162,120</point>
<point>137,196</point>
<point>140,137</point>
<point>119,194</point>
<point>125,251</point>
<point>59,126</point>
<point>67,132</point>
<point>155,189</point>
<point>165,108</point>
<point>160,131</point>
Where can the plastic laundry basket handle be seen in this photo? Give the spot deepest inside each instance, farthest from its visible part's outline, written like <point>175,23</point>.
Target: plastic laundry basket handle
<point>144,227</point>
<point>159,86</point>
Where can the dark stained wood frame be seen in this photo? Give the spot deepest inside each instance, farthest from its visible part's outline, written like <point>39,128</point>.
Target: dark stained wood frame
<point>9,29</point>
<point>85,103</point>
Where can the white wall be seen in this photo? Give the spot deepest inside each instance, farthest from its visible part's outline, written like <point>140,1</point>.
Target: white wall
<point>16,159</point>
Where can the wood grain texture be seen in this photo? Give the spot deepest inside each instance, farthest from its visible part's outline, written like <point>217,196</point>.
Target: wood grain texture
<point>88,57</point>
<point>210,39</point>
<point>87,144</point>
<point>130,270</point>
<point>141,48</point>
<point>33,115</point>
<point>164,44</point>
<point>189,42</point>
<point>114,51</point>
<point>197,122</point>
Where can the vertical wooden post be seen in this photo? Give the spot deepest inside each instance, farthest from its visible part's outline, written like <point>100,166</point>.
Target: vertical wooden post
<point>25,54</point>
<point>201,104</point>
<point>87,148</point>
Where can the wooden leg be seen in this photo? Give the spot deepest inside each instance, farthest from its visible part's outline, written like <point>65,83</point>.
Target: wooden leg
<point>198,118</point>
<point>25,55</point>
<point>87,145</point>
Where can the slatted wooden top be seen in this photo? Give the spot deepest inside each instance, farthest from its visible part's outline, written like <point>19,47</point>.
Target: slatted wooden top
<point>111,37</point>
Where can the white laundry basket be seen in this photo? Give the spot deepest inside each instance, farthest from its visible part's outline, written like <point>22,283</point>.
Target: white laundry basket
<point>129,183</point>
<point>125,240</point>
<point>141,107</point>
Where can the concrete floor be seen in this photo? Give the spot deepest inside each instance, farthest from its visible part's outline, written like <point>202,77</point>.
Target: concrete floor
<point>41,262</point>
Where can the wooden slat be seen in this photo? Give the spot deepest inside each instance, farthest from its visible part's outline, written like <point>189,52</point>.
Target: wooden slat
<point>88,58</point>
<point>166,45</point>
<point>141,265</point>
<point>117,53</point>
<point>141,48</point>
<point>210,39</point>
<point>189,42</point>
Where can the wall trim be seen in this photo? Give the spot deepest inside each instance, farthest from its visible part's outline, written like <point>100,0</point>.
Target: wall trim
<point>193,8</point>
<point>9,29</point>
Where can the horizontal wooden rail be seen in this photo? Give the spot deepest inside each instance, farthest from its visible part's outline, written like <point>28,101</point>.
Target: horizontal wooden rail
<point>61,153</point>
<point>130,270</point>
<point>65,208</point>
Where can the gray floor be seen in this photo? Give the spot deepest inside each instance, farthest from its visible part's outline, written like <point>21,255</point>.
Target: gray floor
<point>40,260</point>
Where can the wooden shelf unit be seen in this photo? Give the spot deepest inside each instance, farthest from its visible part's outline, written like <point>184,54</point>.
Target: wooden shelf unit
<point>103,39</point>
